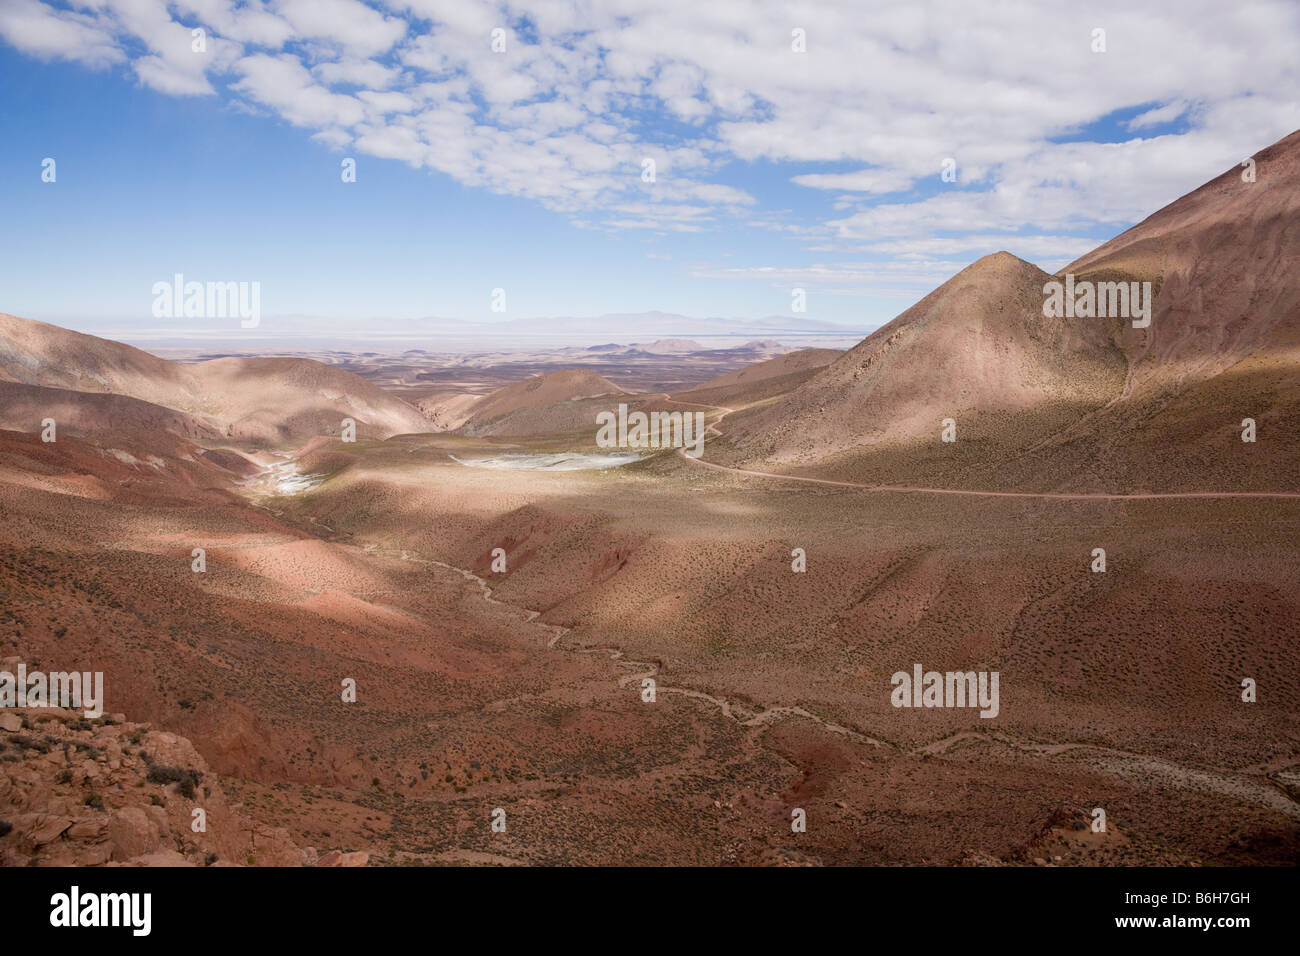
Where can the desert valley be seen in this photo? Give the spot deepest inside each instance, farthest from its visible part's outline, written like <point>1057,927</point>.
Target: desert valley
<point>405,609</point>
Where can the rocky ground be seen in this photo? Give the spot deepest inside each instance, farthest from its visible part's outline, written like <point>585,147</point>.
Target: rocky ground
<point>107,792</point>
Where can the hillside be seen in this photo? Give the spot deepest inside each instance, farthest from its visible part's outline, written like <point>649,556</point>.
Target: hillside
<point>540,391</point>
<point>1081,403</point>
<point>248,399</point>
<point>977,345</point>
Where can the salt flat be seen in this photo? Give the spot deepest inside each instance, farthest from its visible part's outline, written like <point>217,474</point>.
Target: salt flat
<point>564,461</point>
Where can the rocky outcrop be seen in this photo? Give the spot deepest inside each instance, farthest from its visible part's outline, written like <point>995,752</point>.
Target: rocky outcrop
<point>78,792</point>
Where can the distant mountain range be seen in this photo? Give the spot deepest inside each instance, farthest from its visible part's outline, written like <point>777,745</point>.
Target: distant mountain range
<point>437,334</point>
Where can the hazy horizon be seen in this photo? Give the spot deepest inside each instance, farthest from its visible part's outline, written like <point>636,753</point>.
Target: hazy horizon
<point>408,159</point>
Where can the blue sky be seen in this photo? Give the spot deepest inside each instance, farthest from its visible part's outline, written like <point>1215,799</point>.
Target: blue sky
<point>522,169</point>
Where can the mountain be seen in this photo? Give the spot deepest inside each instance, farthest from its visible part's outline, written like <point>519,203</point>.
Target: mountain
<point>1076,402</point>
<point>24,407</point>
<point>1224,259</point>
<point>246,399</point>
<point>792,362</point>
<point>762,380</point>
<point>447,410</point>
<point>270,399</point>
<point>540,391</point>
<point>36,353</point>
<point>668,346</point>
<point>978,344</point>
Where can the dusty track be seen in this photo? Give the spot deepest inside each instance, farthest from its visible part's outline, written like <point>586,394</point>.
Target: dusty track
<point>916,489</point>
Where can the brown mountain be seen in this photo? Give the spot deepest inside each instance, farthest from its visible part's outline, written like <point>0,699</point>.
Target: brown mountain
<point>798,361</point>
<point>37,353</point>
<point>247,399</point>
<point>762,380</point>
<point>268,399</point>
<point>1224,259</point>
<point>978,344</point>
<point>24,407</point>
<point>541,390</point>
<point>1084,403</point>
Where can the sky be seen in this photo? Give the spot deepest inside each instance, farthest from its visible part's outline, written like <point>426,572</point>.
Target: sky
<point>507,146</point>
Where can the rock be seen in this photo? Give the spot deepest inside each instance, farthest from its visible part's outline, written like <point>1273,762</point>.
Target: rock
<point>51,713</point>
<point>160,858</point>
<point>11,723</point>
<point>338,858</point>
<point>159,817</point>
<point>41,795</point>
<point>94,854</point>
<point>91,828</point>
<point>45,828</point>
<point>132,833</point>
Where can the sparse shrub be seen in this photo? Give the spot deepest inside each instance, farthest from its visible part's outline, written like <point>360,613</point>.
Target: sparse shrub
<point>184,779</point>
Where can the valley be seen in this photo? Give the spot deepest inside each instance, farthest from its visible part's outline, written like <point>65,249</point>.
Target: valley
<point>488,601</point>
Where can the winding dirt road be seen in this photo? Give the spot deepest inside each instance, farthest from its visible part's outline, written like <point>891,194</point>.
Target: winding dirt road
<point>917,489</point>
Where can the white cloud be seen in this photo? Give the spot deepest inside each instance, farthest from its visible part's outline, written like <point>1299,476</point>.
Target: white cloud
<point>48,33</point>
<point>865,181</point>
<point>249,22</point>
<point>392,142</point>
<point>584,92</point>
<point>1030,248</point>
<point>1160,114</point>
<point>284,84</point>
<point>349,23</point>
<point>356,72</point>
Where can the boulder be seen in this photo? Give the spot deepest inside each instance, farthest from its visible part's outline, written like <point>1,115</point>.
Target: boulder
<point>132,833</point>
